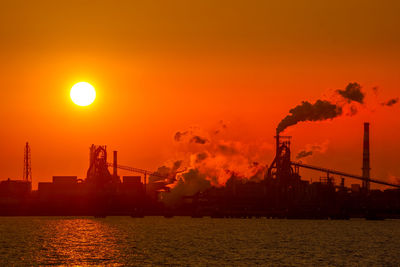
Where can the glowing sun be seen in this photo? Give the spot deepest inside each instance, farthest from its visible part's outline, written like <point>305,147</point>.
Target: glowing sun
<point>83,94</point>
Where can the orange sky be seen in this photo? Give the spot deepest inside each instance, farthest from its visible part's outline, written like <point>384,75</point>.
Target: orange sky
<point>163,66</point>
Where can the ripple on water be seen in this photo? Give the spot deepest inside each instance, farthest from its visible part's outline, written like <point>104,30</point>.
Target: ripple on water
<point>187,241</point>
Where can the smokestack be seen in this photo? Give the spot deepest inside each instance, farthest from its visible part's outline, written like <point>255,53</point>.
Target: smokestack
<point>115,164</point>
<point>366,160</point>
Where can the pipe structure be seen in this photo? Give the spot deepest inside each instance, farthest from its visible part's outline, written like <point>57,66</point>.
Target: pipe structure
<point>343,174</point>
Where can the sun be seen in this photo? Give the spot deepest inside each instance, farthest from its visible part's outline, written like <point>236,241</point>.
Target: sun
<point>83,94</point>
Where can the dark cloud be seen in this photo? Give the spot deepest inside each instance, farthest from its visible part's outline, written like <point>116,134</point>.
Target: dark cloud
<point>303,154</point>
<point>222,126</point>
<point>391,102</point>
<point>198,140</point>
<point>178,136</point>
<point>319,111</point>
<point>352,92</point>
<point>201,156</point>
<point>227,150</point>
<point>177,164</point>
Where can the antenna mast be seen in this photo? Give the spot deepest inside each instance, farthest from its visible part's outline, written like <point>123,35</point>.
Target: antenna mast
<point>27,175</point>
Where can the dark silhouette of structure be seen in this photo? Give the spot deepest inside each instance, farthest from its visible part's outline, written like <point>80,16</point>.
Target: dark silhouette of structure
<point>281,193</point>
<point>366,160</point>
<point>27,174</point>
<point>98,174</point>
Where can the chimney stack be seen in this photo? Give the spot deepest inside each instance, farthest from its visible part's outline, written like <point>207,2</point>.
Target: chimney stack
<point>115,164</point>
<point>366,158</point>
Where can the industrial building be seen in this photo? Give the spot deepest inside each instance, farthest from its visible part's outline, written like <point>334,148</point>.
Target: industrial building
<point>280,194</point>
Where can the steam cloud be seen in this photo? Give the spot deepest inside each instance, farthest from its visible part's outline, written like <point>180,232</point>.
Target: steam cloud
<point>189,184</point>
<point>211,159</point>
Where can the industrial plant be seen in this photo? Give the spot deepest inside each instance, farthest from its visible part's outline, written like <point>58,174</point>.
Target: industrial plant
<point>282,193</point>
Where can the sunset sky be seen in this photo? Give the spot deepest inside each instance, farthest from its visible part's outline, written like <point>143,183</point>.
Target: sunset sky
<point>164,66</point>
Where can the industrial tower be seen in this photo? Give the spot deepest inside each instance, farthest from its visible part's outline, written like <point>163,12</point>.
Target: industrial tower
<point>27,174</point>
<point>98,173</point>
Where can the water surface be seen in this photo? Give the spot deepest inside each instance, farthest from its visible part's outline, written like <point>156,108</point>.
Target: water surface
<point>188,241</point>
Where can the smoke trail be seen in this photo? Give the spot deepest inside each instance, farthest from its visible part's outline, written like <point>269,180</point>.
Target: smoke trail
<point>319,111</point>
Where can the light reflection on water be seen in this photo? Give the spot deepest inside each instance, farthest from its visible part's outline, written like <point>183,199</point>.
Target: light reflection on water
<point>186,241</point>
<point>85,241</point>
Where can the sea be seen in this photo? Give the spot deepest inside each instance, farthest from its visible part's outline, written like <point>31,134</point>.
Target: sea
<point>186,241</point>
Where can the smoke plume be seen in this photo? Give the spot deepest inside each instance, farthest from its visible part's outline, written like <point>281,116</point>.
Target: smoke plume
<point>319,111</point>
<point>324,109</point>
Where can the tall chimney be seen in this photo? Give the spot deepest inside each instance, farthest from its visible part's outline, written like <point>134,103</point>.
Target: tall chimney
<point>115,164</point>
<point>366,160</point>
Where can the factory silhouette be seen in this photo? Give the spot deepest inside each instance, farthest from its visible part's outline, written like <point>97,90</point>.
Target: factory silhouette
<point>280,194</point>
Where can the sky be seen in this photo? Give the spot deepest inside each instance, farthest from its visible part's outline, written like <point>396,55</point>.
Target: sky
<point>165,66</point>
